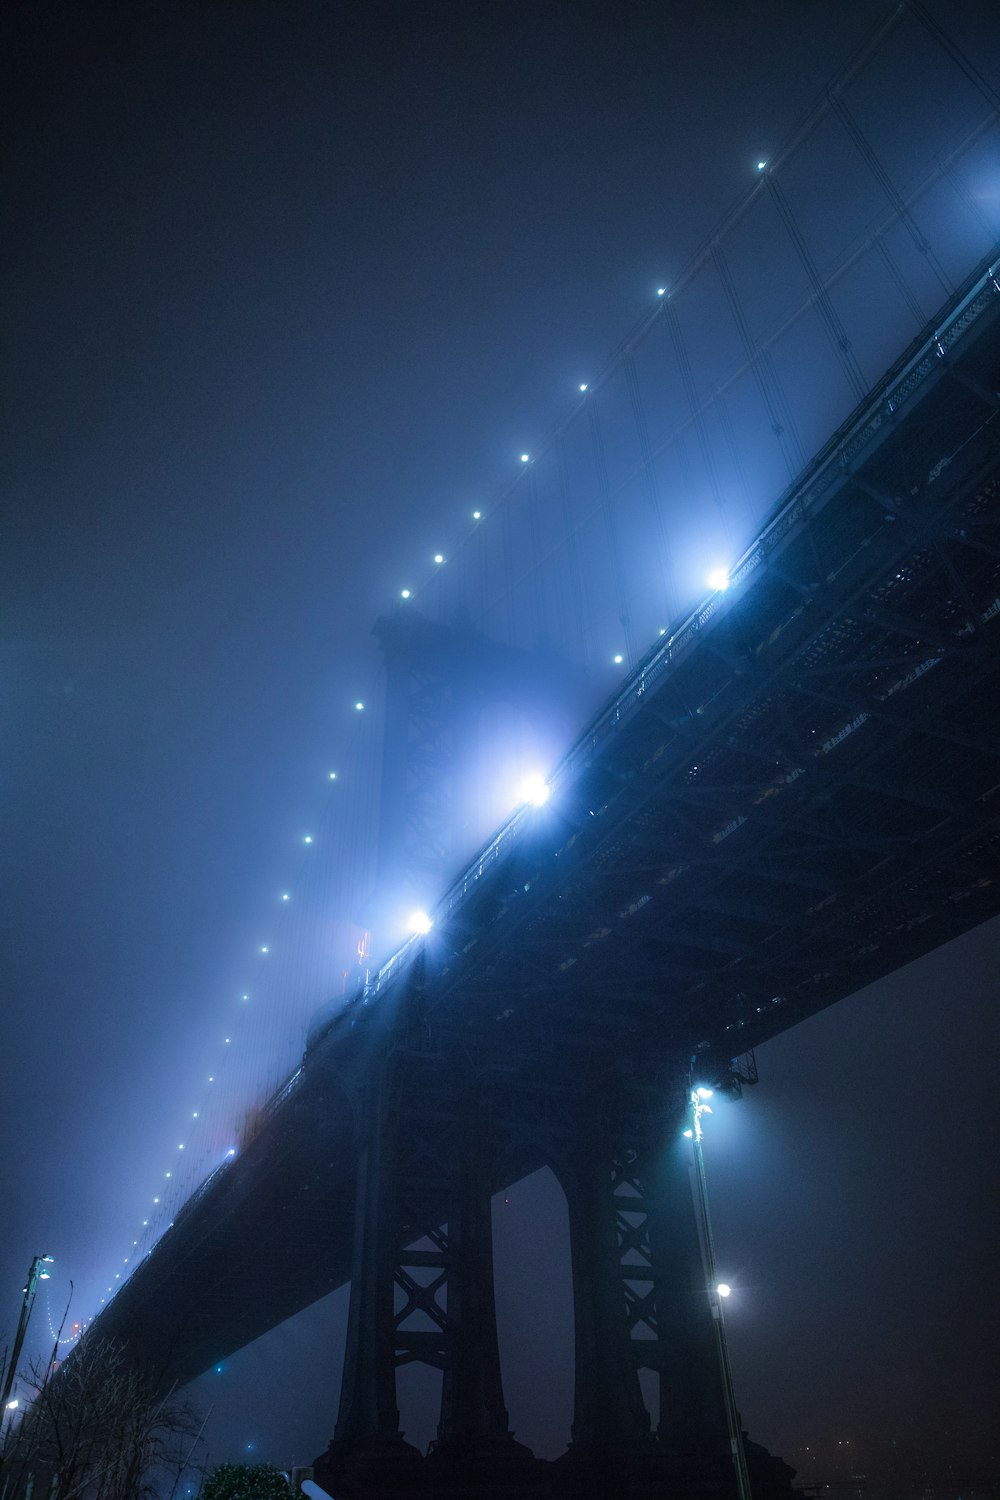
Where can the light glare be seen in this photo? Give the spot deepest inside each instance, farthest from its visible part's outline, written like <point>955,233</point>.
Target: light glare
<point>420,923</point>
<point>535,790</point>
<point>723,1289</point>
<point>718,580</point>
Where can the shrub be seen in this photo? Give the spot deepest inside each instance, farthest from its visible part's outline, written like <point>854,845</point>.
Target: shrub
<point>246,1482</point>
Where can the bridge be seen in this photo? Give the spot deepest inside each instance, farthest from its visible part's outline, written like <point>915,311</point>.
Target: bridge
<point>791,794</point>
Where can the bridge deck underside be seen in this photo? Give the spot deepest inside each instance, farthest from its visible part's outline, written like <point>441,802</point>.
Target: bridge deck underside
<point>802,802</point>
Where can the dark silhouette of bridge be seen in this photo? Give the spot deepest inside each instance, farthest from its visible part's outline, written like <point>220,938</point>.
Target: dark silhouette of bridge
<point>792,794</point>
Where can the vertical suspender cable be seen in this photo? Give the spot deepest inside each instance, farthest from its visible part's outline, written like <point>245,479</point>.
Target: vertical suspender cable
<point>579,621</point>
<point>839,106</point>
<point>961,60</point>
<point>648,471</point>
<point>611,530</point>
<point>778,414</point>
<point>697,411</point>
<point>835,330</point>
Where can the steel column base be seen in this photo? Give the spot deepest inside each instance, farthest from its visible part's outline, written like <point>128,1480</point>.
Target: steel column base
<point>368,1468</point>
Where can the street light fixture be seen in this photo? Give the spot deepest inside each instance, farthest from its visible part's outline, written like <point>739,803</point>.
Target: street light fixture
<point>37,1271</point>
<point>719,1290</point>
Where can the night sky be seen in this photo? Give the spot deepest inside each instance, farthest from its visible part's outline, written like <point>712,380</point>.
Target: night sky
<point>289,289</point>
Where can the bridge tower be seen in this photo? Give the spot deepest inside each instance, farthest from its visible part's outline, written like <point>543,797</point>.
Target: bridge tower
<point>441,1125</point>
<point>439,1128</point>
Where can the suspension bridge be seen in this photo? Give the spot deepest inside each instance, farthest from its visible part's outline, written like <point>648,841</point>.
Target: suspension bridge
<point>787,793</point>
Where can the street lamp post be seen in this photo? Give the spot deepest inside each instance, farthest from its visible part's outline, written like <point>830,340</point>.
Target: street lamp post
<point>37,1271</point>
<point>717,1292</point>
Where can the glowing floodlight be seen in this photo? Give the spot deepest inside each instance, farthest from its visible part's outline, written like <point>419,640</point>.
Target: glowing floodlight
<point>285,896</point>
<point>661,291</point>
<point>585,386</point>
<point>724,1289</point>
<point>618,659</point>
<point>703,1093</point>
<point>420,923</point>
<point>333,775</point>
<point>308,838</point>
<point>13,1405</point>
<point>439,557</point>
<point>687,1134</point>
<point>359,707</point>
<point>535,790</point>
<point>404,593</point>
<point>525,457</point>
<point>718,580</point>
<point>477,515</point>
<point>761,165</point>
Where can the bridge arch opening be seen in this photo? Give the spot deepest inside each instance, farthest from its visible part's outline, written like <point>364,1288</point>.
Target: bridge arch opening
<point>534,1301</point>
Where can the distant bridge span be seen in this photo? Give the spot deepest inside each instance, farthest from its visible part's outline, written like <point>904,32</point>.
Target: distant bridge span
<point>794,794</point>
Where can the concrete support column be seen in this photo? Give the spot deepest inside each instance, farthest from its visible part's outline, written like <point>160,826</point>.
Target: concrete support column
<point>608,1413</point>
<point>368,1409</point>
<point>472,1402</point>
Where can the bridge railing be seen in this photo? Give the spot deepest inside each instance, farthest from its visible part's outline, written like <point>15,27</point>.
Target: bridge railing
<point>915,366</point>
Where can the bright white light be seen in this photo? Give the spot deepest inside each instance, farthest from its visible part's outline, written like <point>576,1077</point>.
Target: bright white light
<point>194,1115</point>
<point>703,1093</point>
<point>761,165</point>
<point>211,1078</point>
<point>687,1133</point>
<point>535,790</point>
<point>156,1200</point>
<point>308,838</point>
<point>181,1146</point>
<point>404,593</point>
<point>333,775</point>
<point>525,457</point>
<point>285,896</point>
<point>359,707</point>
<point>661,291</point>
<point>420,923</point>
<point>718,580</point>
<point>585,386</point>
<point>663,630</point>
<point>13,1405</point>
<point>618,660</point>
<point>231,1151</point>
<point>439,557</point>
<point>265,949</point>
<point>724,1289</point>
<point>228,1040</point>
<point>477,515</point>
<point>169,1174</point>
<point>145,1223</point>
